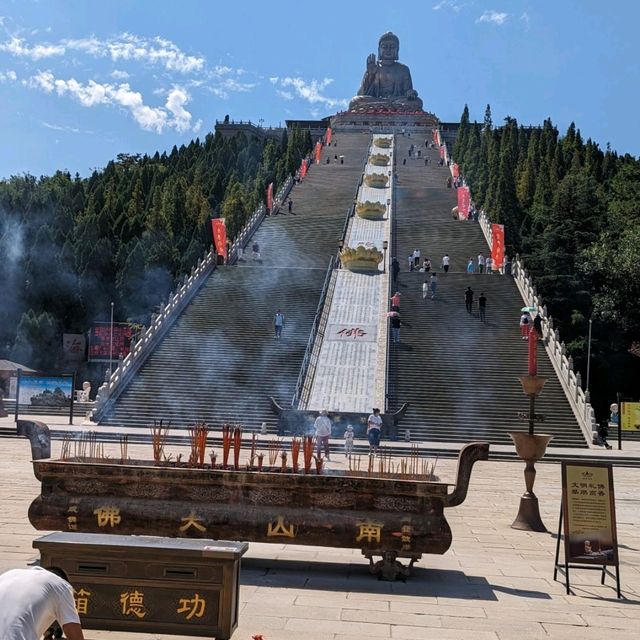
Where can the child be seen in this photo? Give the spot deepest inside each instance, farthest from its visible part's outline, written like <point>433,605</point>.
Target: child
<point>348,441</point>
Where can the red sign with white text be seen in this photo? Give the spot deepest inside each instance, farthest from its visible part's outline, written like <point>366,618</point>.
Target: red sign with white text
<point>329,136</point>
<point>442,152</point>
<point>464,200</point>
<point>220,236</point>
<point>497,250</point>
<point>107,342</point>
<point>318,151</point>
<point>270,197</point>
<point>303,169</point>
<point>455,170</point>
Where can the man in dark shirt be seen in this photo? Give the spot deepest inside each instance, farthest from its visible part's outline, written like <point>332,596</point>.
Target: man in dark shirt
<point>482,306</point>
<point>468,299</point>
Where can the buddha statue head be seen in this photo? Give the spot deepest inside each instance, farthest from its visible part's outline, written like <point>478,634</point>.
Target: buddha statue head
<point>388,47</point>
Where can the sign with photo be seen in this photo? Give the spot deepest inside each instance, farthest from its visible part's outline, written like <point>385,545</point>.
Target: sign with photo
<point>45,391</point>
<point>588,505</point>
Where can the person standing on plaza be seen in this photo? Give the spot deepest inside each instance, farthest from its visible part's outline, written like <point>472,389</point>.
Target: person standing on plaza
<point>489,265</point>
<point>290,205</point>
<point>278,323</point>
<point>348,441</point>
<point>255,250</point>
<point>425,289</point>
<point>426,265</point>
<point>445,262</point>
<point>374,428</point>
<point>32,599</point>
<point>396,323</point>
<point>410,259</point>
<point>433,285</point>
<point>470,266</point>
<point>395,301</point>
<point>322,425</point>
<point>468,299</point>
<point>416,258</point>
<point>481,261</point>
<point>482,306</point>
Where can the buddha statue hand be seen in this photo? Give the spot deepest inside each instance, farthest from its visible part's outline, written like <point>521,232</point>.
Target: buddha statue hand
<point>371,63</point>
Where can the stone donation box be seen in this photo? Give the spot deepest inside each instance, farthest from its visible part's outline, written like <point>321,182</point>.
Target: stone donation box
<point>148,584</point>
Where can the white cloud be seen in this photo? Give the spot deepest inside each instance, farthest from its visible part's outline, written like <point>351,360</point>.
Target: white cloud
<point>312,91</point>
<point>8,75</point>
<point>493,16</point>
<point>58,127</point>
<point>448,4</point>
<point>123,47</point>
<point>173,115</point>
<point>274,79</point>
<point>287,95</point>
<point>525,18</point>
<point>118,74</point>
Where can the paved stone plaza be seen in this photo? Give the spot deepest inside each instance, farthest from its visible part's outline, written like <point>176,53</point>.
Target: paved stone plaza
<point>493,583</point>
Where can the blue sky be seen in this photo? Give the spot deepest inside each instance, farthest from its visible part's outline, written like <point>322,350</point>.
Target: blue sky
<point>81,80</point>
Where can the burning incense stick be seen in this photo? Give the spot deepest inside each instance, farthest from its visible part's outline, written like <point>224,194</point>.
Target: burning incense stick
<point>295,453</point>
<point>226,444</point>
<point>307,452</point>
<point>159,434</point>
<point>237,445</point>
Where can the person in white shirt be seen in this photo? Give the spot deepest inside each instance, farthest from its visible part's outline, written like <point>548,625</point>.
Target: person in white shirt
<point>32,599</point>
<point>445,262</point>
<point>489,264</point>
<point>416,258</point>
<point>374,427</point>
<point>425,289</point>
<point>322,426</point>
<point>481,261</point>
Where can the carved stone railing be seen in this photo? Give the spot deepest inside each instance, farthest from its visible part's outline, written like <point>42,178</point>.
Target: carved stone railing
<point>571,381</point>
<point>150,337</point>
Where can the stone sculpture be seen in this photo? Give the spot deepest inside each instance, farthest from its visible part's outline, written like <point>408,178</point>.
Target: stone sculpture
<point>386,84</point>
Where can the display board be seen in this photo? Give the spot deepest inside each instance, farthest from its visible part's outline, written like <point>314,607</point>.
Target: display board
<point>101,348</point>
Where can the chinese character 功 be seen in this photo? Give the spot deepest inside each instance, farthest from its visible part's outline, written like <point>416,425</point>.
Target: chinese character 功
<point>133,604</point>
<point>192,520</point>
<point>108,516</point>
<point>278,528</point>
<point>193,607</point>
<point>81,598</point>
<point>370,531</point>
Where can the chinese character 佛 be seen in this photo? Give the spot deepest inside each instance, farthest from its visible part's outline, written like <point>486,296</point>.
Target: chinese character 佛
<point>133,604</point>
<point>108,516</point>
<point>81,599</point>
<point>369,530</point>
<point>192,607</point>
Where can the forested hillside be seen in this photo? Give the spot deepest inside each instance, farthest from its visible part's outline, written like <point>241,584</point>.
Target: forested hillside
<point>572,211</point>
<point>71,245</point>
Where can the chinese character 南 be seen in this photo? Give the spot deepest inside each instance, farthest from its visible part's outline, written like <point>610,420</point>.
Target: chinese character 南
<point>192,520</point>
<point>108,516</point>
<point>369,530</point>
<point>278,528</point>
<point>81,598</point>
<point>192,607</point>
<point>133,604</point>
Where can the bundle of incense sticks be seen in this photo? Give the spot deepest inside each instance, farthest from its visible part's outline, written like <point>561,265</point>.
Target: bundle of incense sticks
<point>198,441</point>
<point>283,458</point>
<point>319,462</point>
<point>307,452</point>
<point>66,448</point>
<point>295,453</point>
<point>274,451</point>
<point>252,455</point>
<point>159,434</point>
<point>124,448</point>
<point>237,445</point>
<point>226,444</point>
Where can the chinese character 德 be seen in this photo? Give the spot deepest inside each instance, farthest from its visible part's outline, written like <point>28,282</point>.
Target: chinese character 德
<point>192,520</point>
<point>108,516</point>
<point>369,530</point>
<point>193,607</point>
<point>133,604</point>
<point>278,528</point>
<point>81,598</point>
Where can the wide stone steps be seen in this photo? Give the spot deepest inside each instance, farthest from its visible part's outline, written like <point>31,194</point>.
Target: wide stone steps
<point>220,361</point>
<point>459,374</point>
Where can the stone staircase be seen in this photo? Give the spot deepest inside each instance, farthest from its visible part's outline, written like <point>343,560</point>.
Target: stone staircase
<point>220,361</point>
<point>458,374</point>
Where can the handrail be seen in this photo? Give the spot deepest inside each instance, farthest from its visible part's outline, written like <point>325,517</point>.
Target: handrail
<point>113,385</point>
<point>312,335</point>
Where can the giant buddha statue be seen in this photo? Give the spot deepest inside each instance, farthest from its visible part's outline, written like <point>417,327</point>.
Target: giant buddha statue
<point>386,84</point>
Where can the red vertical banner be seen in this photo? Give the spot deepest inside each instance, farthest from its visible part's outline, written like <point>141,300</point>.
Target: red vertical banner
<point>220,236</point>
<point>303,169</point>
<point>328,137</point>
<point>270,197</point>
<point>318,151</point>
<point>434,136</point>
<point>455,170</point>
<point>497,249</point>
<point>464,200</point>
<point>442,152</point>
